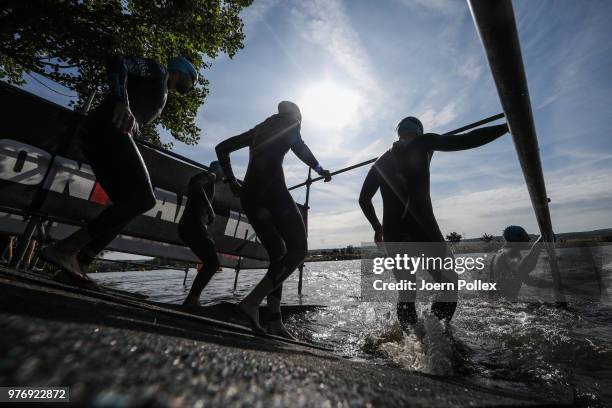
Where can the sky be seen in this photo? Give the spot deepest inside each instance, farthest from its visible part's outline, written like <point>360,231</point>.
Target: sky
<point>356,68</point>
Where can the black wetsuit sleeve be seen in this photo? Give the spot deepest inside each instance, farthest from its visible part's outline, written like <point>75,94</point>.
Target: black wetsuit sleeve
<point>206,192</point>
<point>529,262</point>
<point>369,188</point>
<point>201,190</point>
<point>302,151</point>
<point>232,144</point>
<point>464,141</point>
<point>119,67</point>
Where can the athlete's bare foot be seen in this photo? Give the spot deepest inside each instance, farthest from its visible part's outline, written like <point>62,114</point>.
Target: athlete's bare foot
<point>277,328</point>
<point>64,260</point>
<point>251,314</point>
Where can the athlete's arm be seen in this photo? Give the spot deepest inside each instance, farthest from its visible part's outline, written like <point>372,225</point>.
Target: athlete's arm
<point>207,204</point>
<point>528,263</point>
<point>119,67</point>
<point>302,151</point>
<point>206,190</point>
<point>369,188</point>
<point>224,149</point>
<point>464,141</point>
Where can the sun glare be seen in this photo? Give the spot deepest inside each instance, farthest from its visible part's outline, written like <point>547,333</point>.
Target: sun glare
<point>329,106</point>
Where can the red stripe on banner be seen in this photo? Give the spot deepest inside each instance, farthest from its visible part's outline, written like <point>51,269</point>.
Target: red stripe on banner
<point>99,196</point>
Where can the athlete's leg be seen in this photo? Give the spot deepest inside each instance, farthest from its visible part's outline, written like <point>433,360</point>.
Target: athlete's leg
<point>260,219</point>
<point>198,240</point>
<point>128,187</point>
<point>397,237</point>
<point>289,223</point>
<point>446,301</point>
<point>119,168</point>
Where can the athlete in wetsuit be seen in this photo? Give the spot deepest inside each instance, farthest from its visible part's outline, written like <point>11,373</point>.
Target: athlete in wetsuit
<point>269,206</point>
<point>402,174</point>
<point>509,269</point>
<point>192,228</point>
<point>138,91</point>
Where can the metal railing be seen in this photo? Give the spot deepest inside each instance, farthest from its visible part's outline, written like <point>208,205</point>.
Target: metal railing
<point>496,25</point>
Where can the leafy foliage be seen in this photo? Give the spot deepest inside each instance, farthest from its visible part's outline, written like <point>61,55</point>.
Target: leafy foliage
<point>454,237</point>
<point>69,42</point>
<point>487,237</point>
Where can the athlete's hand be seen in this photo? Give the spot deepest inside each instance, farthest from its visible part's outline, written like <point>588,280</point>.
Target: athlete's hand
<point>123,119</point>
<point>235,186</point>
<point>378,236</point>
<point>326,175</point>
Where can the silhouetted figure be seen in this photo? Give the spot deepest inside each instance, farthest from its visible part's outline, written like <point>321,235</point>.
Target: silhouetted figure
<point>269,205</point>
<point>508,268</point>
<point>138,92</point>
<point>197,215</point>
<point>402,174</point>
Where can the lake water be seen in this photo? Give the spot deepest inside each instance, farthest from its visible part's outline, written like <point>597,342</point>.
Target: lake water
<point>514,347</point>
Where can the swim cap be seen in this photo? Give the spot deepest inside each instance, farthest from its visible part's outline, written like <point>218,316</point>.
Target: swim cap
<point>515,233</point>
<point>410,125</point>
<point>291,108</point>
<point>182,64</point>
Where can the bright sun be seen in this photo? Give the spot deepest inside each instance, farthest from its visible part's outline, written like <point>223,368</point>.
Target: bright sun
<point>327,105</point>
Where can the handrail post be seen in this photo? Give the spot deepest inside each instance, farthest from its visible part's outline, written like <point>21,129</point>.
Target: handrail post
<point>306,207</point>
<point>496,25</point>
<point>237,270</point>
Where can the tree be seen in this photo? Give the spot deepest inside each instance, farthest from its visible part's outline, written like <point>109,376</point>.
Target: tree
<point>454,237</point>
<point>487,237</point>
<point>69,42</point>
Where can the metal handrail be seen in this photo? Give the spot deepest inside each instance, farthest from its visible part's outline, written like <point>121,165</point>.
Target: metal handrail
<point>496,25</point>
<point>354,166</point>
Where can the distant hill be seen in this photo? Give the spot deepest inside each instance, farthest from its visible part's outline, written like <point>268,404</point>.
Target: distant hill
<point>600,233</point>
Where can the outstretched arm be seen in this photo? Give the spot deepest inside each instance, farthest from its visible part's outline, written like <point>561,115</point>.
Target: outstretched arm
<point>464,141</point>
<point>229,145</point>
<point>369,188</point>
<point>530,260</point>
<point>303,153</point>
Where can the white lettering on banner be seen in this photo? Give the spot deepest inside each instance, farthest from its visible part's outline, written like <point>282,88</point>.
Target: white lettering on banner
<point>245,231</point>
<point>232,223</point>
<point>165,206</point>
<point>238,228</point>
<point>25,164</point>
<point>69,176</point>
<point>22,163</point>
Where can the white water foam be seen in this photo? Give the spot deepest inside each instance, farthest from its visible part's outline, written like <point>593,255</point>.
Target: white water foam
<point>428,348</point>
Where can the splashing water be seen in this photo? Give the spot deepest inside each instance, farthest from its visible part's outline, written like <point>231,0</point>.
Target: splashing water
<point>516,347</point>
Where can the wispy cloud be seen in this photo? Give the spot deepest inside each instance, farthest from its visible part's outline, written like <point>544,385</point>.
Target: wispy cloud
<point>423,58</point>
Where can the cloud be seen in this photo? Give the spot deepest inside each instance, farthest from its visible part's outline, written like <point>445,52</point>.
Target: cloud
<point>325,24</point>
<point>435,118</point>
<point>444,7</point>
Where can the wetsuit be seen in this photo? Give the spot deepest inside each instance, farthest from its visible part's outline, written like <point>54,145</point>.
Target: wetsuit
<point>265,199</point>
<point>119,168</point>
<point>192,227</point>
<point>402,174</point>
